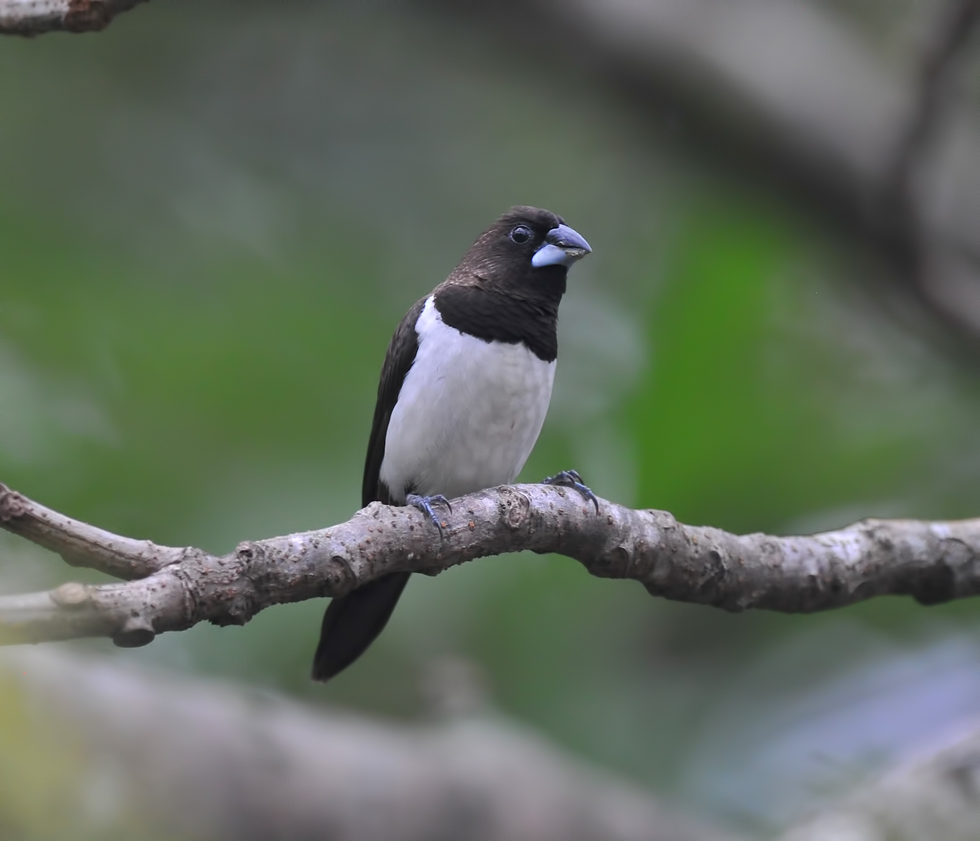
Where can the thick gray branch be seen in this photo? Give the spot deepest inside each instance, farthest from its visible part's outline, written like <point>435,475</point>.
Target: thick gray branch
<point>34,17</point>
<point>931,561</point>
<point>176,758</point>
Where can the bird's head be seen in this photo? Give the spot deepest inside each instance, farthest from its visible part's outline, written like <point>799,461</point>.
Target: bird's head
<point>527,247</point>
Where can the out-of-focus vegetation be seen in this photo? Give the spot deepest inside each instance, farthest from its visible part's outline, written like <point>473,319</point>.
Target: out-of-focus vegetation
<point>211,220</point>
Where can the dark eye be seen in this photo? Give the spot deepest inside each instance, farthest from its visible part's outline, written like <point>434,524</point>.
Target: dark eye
<point>521,234</point>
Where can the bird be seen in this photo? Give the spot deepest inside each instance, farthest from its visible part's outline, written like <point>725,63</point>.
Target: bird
<point>464,391</point>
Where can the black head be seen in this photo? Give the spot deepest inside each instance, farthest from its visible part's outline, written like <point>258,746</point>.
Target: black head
<point>525,250</point>
<point>509,284</point>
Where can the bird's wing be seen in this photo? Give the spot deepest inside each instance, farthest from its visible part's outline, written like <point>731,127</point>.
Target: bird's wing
<point>352,622</point>
<point>398,361</point>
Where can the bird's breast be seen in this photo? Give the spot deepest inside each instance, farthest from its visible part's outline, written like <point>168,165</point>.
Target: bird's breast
<point>468,413</point>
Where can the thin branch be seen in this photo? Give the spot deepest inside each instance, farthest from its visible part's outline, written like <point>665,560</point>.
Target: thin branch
<point>35,17</point>
<point>930,561</point>
<point>80,544</point>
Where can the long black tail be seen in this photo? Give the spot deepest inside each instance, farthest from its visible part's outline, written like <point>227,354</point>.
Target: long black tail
<point>352,622</point>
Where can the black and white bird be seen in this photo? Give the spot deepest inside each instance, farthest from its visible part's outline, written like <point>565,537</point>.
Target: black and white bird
<point>464,390</point>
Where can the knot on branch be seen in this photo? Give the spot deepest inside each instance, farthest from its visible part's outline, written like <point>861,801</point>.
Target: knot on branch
<point>71,594</point>
<point>137,631</point>
<point>12,504</point>
<point>613,564</point>
<point>514,507</point>
<point>340,578</point>
<point>943,580</point>
<point>87,16</point>
<point>246,552</point>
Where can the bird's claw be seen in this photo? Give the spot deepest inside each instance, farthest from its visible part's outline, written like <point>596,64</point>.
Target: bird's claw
<point>571,479</point>
<point>425,503</point>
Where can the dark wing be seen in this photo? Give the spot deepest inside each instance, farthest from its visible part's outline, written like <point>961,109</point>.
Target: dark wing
<point>352,622</point>
<point>401,354</point>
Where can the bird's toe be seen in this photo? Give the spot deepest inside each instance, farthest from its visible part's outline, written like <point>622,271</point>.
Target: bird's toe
<point>572,479</point>
<point>425,503</point>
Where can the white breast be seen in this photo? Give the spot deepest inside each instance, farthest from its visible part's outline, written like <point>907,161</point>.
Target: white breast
<point>467,415</point>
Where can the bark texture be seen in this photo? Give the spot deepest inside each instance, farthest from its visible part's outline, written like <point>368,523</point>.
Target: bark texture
<point>171,589</point>
<point>34,17</point>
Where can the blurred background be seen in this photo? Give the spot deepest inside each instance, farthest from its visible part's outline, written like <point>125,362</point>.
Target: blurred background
<point>212,215</point>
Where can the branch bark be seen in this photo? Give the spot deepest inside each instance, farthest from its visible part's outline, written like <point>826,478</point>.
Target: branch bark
<point>930,561</point>
<point>35,17</point>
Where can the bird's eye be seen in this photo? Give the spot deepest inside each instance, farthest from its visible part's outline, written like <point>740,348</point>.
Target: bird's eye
<point>521,234</point>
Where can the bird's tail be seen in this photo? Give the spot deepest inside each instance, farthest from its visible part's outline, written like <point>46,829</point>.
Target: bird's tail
<point>352,622</point>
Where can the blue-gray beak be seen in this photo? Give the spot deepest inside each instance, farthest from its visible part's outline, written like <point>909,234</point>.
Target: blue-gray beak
<point>562,247</point>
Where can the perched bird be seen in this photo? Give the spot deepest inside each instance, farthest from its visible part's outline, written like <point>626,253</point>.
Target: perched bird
<point>464,390</point>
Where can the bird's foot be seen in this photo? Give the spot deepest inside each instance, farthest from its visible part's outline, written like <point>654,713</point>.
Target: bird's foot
<point>425,503</point>
<point>571,479</point>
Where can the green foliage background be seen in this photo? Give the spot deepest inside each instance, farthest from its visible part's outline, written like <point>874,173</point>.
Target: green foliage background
<point>211,220</point>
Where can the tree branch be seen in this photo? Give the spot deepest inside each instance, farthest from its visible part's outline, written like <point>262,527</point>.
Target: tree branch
<point>35,17</point>
<point>932,796</point>
<point>172,757</point>
<point>946,277</point>
<point>930,561</point>
<point>80,544</point>
<point>789,86</point>
<point>952,30</point>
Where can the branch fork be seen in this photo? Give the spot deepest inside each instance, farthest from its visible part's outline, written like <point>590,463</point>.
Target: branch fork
<point>166,588</point>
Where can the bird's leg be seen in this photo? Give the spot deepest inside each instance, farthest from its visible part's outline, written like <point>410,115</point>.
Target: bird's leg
<point>425,503</point>
<point>571,479</point>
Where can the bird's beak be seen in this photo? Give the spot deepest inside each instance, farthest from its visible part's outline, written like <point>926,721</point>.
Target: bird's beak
<point>562,247</point>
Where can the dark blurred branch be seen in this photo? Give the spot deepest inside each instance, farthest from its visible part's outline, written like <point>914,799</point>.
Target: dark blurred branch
<point>930,561</point>
<point>793,89</point>
<point>189,759</point>
<point>35,17</point>
<point>955,22</point>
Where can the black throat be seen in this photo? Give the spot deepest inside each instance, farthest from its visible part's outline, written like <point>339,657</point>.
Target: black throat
<point>525,313</point>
